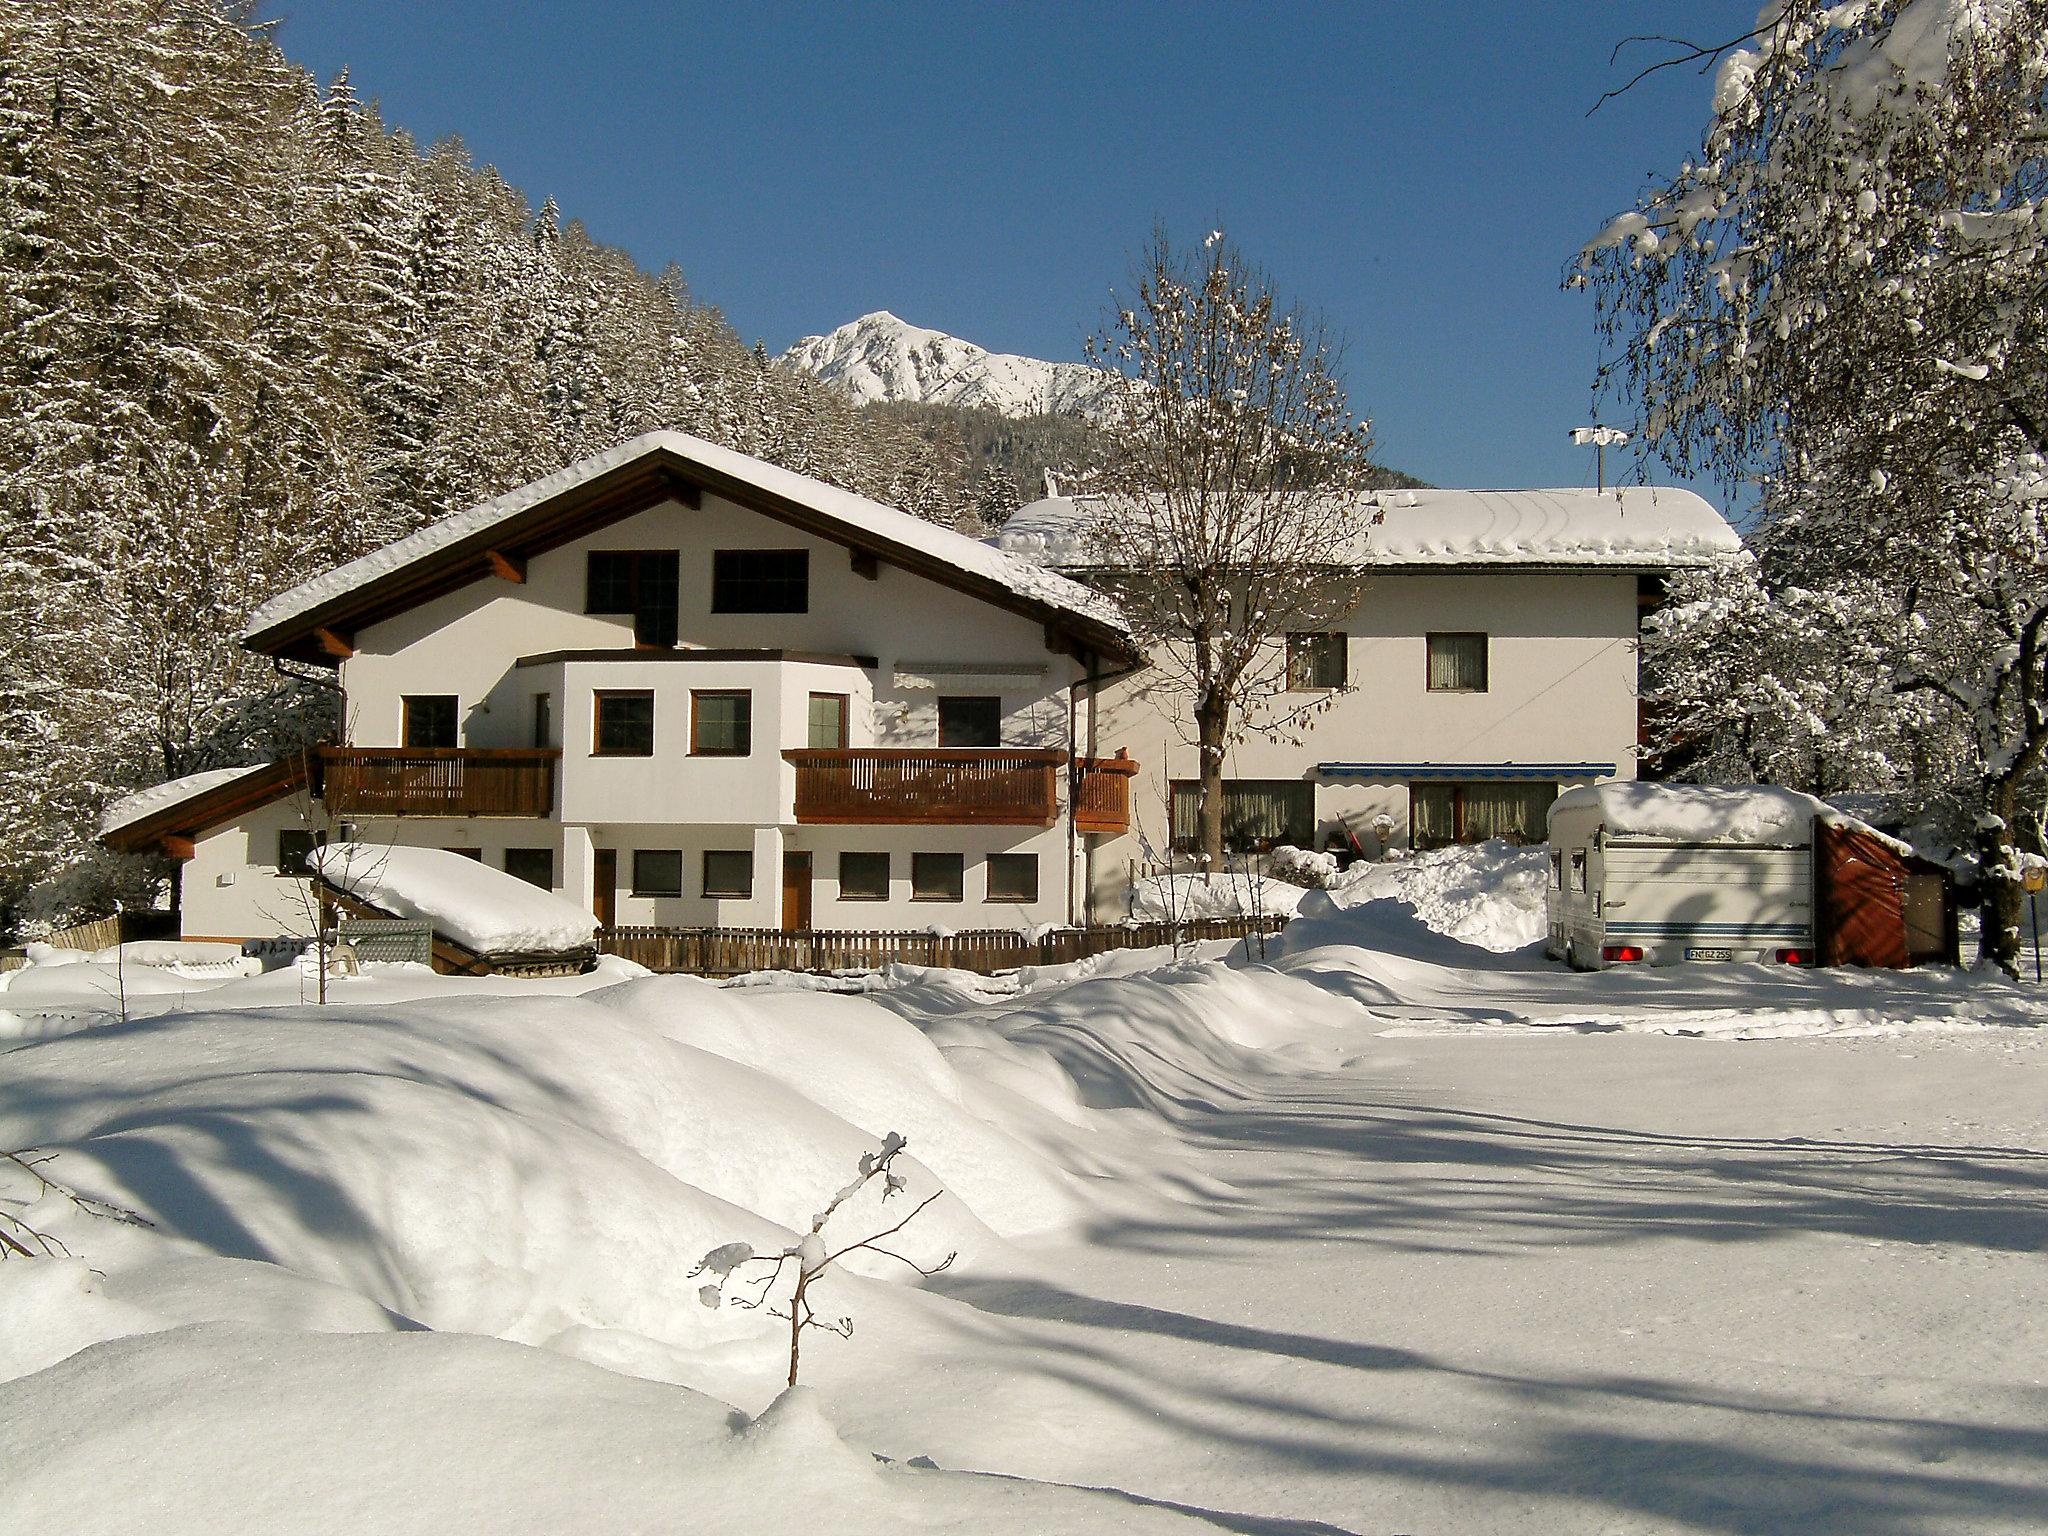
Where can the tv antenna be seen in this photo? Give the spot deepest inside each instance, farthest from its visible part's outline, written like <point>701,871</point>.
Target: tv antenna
<point>1599,439</point>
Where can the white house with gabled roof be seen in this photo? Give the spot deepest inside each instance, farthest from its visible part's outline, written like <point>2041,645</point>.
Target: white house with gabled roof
<point>684,687</point>
<point>1491,662</point>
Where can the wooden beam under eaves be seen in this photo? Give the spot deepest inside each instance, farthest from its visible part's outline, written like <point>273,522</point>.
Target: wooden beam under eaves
<point>866,563</point>
<point>506,567</point>
<point>690,494</point>
<point>179,847</point>
<point>335,643</point>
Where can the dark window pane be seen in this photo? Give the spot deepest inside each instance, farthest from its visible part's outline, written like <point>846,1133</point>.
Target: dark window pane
<point>1457,663</point>
<point>1315,661</point>
<point>430,720</point>
<point>1257,813</point>
<point>466,853</point>
<point>970,722</point>
<point>608,584</point>
<point>654,597</point>
<point>938,876</point>
<point>543,720</point>
<point>761,581</point>
<point>863,877</point>
<point>657,872</point>
<point>625,724</point>
<point>728,872</point>
<point>536,866</point>
<point>1013,877</point>
<point>293,849</point>
<point>722,724</point>
<point>1432,815</point>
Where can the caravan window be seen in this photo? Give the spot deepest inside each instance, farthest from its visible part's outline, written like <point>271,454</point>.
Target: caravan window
<point>1557,871</point>
<point>1578,869</point>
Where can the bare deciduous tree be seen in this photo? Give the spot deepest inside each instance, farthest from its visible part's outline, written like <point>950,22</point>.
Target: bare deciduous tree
<point>1230,503</point>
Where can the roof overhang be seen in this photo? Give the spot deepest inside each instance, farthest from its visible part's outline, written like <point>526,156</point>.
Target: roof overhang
<point>170,829</point>
<point>322,634</point>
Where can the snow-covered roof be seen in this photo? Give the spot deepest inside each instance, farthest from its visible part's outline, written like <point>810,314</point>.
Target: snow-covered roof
<point>145,803</point>
<point>480,908</point>
<point>866,524</point>
<point>1630,528</point>
<point>1694,813</point>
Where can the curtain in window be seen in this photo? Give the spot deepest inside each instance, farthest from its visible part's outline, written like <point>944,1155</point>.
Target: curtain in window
<point>1512,811</point>
<point>1457,662</point>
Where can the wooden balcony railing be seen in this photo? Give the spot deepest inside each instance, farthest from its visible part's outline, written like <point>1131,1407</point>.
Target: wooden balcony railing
<point>1102,802</point>
<point>927,786</point>
<point>439,781</point>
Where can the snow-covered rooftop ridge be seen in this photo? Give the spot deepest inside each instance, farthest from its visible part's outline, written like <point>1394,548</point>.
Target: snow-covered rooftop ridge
<point>145,803</point>
<point>483,909</point>
<point>856,513</point>
<point>1629,526</point>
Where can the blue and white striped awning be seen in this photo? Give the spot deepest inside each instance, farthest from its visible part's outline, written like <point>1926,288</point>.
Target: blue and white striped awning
<point>1465,770</point>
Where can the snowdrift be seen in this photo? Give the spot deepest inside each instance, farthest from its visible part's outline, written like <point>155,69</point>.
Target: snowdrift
<point>480,908</point>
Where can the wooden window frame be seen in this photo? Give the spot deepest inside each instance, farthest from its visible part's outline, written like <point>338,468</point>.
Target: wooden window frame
<point>697,697</point>
<point>405,719</point>
<point>1485,639</point>
<point>959,889</point>
<point>989,883</point>
<point>505,863</point>
<point>650,892</point>
<point>704,873</point>
<point>599,697</point>
<point>845,716</point>
<point>723,581</point>
<point>1311,646</point>
<point>888,873</point>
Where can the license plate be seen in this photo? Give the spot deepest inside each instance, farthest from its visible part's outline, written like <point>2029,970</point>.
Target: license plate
<point>1710,954</point>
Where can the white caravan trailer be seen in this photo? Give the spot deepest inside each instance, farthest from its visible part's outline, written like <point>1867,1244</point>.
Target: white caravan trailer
<point>1659,873</point>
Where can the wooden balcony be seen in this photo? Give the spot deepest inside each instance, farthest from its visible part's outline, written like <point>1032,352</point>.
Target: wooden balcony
<point>439,781</point>
<point>927,786</point>
<point>1102,802</point>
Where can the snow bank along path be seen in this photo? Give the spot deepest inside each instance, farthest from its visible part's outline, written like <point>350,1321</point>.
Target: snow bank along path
<point>1388,1232</point>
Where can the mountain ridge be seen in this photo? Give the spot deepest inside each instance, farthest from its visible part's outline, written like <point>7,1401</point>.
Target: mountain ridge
<point>881,358</point>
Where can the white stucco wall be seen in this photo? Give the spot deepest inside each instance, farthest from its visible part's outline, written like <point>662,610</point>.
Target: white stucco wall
<point>230,888</point>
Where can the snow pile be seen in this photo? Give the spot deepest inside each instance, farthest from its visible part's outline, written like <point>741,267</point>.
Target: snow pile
<point>1232,894</point>
<point>1489,895</point>
<point>1694,813</point>
<point>884,525</point>
<point>144,803</point>
<point>480,908</point>
<point>1301,866</point>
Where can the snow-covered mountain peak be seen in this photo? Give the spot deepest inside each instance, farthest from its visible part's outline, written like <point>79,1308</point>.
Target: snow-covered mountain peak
<point>879,357</point>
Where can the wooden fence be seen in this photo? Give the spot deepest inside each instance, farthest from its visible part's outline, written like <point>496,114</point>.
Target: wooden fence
<point>105,932</point>
<point>731,951</point>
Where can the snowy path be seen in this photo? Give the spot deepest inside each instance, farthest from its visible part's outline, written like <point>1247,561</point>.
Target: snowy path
<point>1578,1283</point>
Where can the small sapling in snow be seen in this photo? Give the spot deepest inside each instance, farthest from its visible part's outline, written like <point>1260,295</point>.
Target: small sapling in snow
<point>812,1255</point>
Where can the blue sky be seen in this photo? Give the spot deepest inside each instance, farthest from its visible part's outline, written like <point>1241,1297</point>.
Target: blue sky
<point>1417,173</point>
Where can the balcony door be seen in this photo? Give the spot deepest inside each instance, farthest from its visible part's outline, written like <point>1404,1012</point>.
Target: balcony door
<point>796,892</point>
<point>604,895</point>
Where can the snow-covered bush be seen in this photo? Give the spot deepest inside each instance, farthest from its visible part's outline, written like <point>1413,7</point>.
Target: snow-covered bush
<point>1301,866</point>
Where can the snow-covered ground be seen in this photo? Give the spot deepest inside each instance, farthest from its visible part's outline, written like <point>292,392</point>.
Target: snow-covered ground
<point>1387,1232</point>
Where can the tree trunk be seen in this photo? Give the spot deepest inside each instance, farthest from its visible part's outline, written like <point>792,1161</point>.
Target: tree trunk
<point>1212,726</point>
<point>1998,881</point>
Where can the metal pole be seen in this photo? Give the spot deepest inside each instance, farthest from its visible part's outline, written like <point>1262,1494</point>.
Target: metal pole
<point>2034,913</point>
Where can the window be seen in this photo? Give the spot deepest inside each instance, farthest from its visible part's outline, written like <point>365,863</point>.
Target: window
<point>543,720</point>
<point>1315,661</point>
<point>1442,814</point>
<point>1457,663</point>
<point>1557,871</point>
<point>642,582</point>
<point>863,877</point>
<point>970,722</point>
<point>761,581</point>
<point>466,853</point>
<point>828,720</point>
<point>624,723</point>
<point>721,722</point>
<point>536,866</point>
<point>294,848</point>
<point>1578,869</point>
<point>430,719</point>
<point>657,872</point>
<point>938,876</point>
<point>1257,813</point>
<point>1013,877</point>
<point>728,872</point>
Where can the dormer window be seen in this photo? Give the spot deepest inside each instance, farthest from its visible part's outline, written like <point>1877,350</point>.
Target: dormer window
<point>641,582</point>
